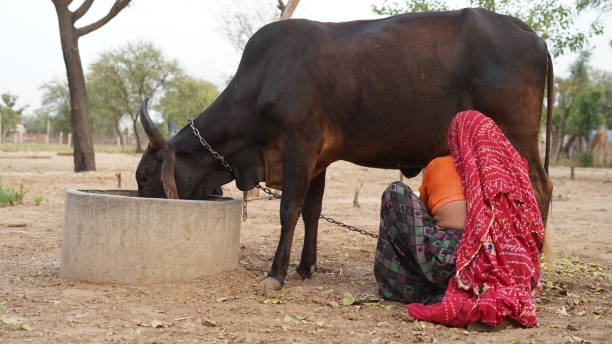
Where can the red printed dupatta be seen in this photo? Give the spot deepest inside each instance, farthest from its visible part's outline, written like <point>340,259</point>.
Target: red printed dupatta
<point>498,254</point>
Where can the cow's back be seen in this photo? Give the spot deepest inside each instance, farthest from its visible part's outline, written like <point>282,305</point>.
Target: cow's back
<point>402,77</point>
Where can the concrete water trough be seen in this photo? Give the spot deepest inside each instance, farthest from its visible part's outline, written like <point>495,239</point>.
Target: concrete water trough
<point>113,236</point>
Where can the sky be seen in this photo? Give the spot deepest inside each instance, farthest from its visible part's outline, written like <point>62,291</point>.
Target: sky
<point>190,31</point>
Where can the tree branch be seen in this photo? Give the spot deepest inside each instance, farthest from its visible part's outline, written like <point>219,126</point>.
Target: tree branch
<point>117,7</point>
<point>281,6</point>
<point>287,12</point>
<point>76,15</point>
<point>64,3</point>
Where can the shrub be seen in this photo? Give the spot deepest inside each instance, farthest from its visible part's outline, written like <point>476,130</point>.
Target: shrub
<point>10,196</point>
<point>585,159</point>
<point>38,199</point>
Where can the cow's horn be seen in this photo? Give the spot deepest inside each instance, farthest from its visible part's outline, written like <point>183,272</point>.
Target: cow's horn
<point>156,139</point>
<point>172,127</point>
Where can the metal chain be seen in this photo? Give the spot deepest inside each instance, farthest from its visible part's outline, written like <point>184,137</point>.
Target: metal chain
<point>349,227</point>
<point>210,149</point>
<point>244,206</point>
<point>265,189</point>
<point>269,191</point>
<point>328,219</point>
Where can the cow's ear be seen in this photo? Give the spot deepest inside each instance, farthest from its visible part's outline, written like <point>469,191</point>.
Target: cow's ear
<point>167,172</point>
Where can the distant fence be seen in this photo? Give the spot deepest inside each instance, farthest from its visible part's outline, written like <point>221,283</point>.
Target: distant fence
<point>64,139</point>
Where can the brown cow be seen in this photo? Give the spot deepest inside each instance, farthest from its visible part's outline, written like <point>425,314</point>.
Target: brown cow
<point>378,93</point>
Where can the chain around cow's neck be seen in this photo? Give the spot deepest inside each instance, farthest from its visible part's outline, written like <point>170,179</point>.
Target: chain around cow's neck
<point>214,153</point>
<point>223,162</point>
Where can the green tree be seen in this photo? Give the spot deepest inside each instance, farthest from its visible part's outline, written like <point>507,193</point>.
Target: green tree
<point>603,81</point>
<point>185,98</point>
<point>55,107</point>
<point>566,93</point>
<point>553,20</point>
<point>10,115</point>
<point>130,74</point>
<point>36,122</point>
<point>585,115</point>
<point>102,97</point>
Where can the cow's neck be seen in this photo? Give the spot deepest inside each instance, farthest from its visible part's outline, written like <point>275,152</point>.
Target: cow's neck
<point>222,130</point>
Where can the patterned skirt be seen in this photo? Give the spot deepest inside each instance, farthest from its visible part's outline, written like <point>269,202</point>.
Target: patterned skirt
<point>414,260</point>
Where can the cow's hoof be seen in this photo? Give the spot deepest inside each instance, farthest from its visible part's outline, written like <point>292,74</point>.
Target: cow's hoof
<point>306,272</point>
<point>270,284</point>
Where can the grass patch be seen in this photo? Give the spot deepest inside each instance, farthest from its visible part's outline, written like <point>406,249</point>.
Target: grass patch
<point>32,147</point>
<point>36,147</point>
<point>10,196</point>
<point>582,163</point>
<point>38,199</point>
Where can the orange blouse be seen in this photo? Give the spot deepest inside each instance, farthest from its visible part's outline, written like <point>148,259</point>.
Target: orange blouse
<point>441,184</point>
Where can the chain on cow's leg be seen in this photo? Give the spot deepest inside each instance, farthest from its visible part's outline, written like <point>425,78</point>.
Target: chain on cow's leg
<point>244,206</point>
<point>349,227</point>
<point>326,218</point>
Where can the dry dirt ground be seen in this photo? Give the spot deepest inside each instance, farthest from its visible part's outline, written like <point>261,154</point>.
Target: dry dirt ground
<point>36,305</point>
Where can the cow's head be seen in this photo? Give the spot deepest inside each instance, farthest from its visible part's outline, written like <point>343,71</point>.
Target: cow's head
<point>178,167</point>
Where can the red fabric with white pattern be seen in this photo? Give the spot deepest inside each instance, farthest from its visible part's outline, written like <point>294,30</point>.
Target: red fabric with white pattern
<point>498,255</point>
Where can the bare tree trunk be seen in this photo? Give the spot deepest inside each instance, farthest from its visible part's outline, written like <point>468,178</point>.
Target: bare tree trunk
<point>84,156</point>
<point>288,9</point>
<point>562,133</point>
<point>118,132</point>
<point>556,142</point>
<point>357,191</point>
<point>136,135</point>
<point>566,148</point>
<point>48,131</point>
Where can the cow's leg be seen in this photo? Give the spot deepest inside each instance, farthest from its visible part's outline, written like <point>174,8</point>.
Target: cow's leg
<point>310,214</point>
<point>297,167</point>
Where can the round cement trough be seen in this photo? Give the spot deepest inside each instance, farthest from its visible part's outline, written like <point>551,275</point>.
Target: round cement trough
<point>116,237</point>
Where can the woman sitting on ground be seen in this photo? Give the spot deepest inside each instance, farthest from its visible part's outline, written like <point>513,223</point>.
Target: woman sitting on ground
<point>492,240</point>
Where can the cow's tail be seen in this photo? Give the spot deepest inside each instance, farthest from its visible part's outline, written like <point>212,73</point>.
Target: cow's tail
<point>550,95</point>
<point>548,251</point>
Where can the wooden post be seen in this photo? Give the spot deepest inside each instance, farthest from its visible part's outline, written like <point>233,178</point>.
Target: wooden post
<point>69,139</point>
<point>356,197</point>
<point>48,131</point>
<point>572,172</point>
<point>118,175</point>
